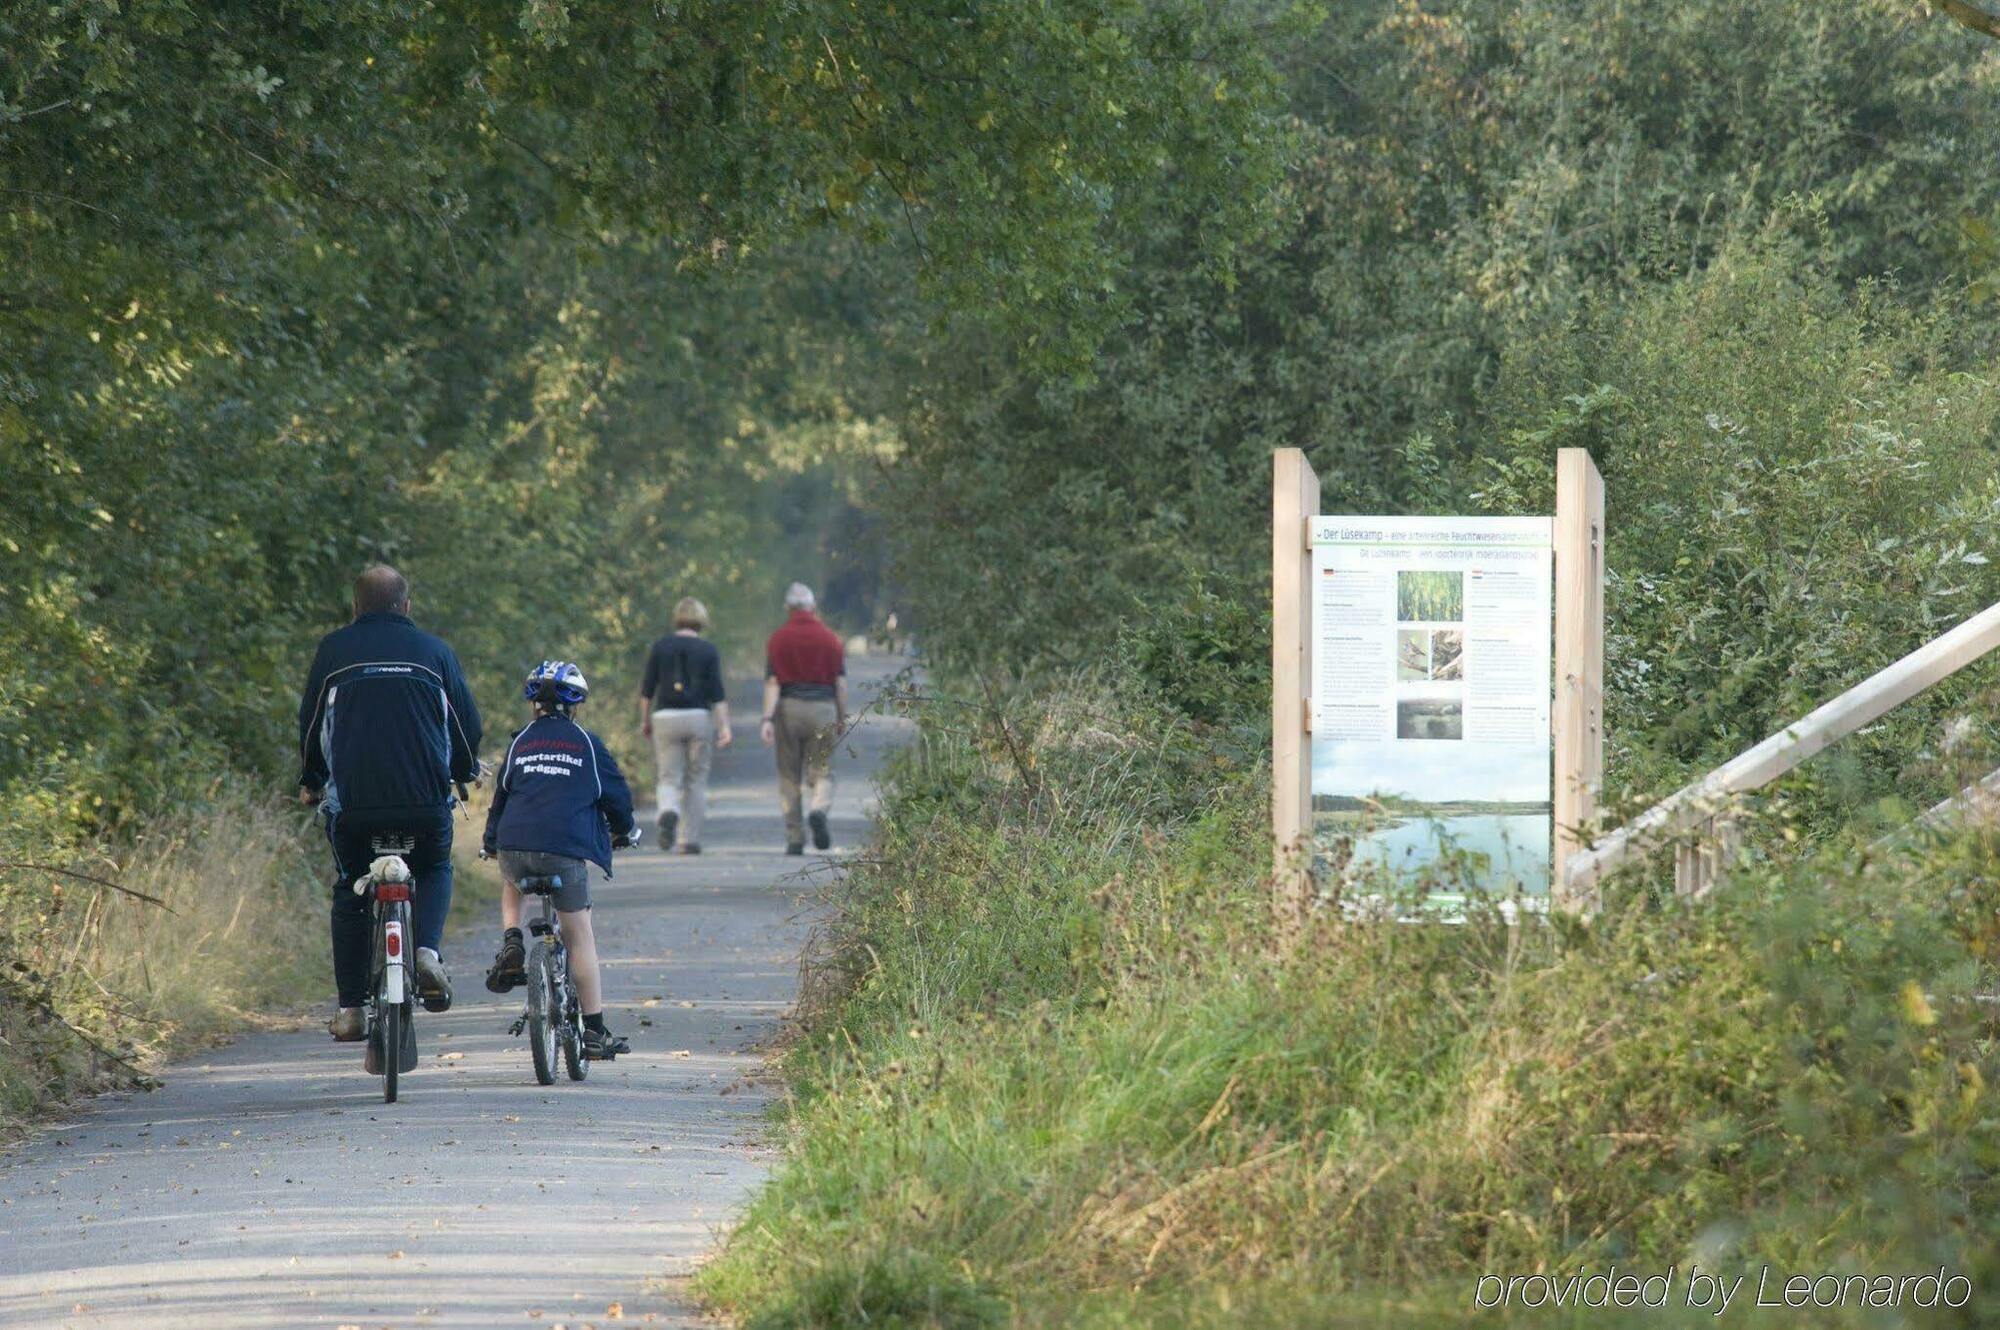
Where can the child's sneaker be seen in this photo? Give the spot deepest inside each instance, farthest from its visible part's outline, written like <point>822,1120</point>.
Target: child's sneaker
<point>602,1045</point>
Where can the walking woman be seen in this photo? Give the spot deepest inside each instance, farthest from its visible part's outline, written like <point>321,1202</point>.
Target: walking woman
<point>682,708</point>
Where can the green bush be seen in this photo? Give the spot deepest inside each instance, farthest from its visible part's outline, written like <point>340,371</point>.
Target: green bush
<point>1799,487</point>
<point>1481,191</point>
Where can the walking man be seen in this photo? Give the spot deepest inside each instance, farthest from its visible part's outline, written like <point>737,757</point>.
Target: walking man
<point>683,711</point>
<point>805,709</point>
<point>386,724</point>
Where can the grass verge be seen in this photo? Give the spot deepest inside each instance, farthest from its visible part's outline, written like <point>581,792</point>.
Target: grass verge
<point>1054,1068</point>
<point>104,986</point>
<point>227,931</point>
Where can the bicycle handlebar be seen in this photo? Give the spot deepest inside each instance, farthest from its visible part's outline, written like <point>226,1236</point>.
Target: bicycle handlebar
<point>481,770</point>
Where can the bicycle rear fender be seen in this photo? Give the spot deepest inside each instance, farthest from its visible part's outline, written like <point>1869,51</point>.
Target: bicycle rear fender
<point>394,944</point>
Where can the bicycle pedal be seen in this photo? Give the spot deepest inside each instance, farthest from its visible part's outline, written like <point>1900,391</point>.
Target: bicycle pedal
<point>520,1024</point>
<point>435,999</point>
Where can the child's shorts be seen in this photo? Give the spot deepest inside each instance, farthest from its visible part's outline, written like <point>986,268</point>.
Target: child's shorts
<point>575,875</point>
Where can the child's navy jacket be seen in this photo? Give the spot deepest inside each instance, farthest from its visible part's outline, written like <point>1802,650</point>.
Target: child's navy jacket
<point>559,792</point>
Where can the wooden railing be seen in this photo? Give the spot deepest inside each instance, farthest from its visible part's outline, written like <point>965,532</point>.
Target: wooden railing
<point>1978,802</point>
<point>1698,819</point>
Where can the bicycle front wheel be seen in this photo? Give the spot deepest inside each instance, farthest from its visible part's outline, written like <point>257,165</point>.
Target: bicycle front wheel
<point>574,1063</point>
<point>544,1010</point>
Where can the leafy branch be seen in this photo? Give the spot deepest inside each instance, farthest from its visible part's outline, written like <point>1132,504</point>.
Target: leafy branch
<point>86,877</point>
<point>11,987</point>
<point>1969,15</point>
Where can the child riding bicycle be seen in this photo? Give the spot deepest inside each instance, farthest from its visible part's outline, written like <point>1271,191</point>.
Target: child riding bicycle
<point>558,802</point>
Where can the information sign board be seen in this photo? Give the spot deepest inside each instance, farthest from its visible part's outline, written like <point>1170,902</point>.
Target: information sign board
<point>1431,651</point>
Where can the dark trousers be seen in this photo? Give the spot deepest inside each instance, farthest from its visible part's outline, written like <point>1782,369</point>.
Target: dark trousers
<point>353,916</point>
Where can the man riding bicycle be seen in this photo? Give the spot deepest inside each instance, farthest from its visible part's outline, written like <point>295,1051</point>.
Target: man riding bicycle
<point>386,725</point>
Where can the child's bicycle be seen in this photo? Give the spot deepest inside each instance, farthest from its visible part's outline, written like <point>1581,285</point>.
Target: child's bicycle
<point>553,1017</point>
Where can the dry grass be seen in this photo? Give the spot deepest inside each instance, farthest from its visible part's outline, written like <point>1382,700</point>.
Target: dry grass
<point>242,931</point>
<point>104,988</point>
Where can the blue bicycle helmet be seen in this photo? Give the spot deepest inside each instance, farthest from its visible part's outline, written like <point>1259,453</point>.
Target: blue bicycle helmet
<point>556,681</point>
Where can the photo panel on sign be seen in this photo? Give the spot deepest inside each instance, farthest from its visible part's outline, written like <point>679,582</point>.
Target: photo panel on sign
<point>1431,652</point>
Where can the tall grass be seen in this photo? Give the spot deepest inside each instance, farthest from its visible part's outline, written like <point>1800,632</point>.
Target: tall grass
<point>1055,1069</point>
<point>212,920</point>
<point>104,985</point>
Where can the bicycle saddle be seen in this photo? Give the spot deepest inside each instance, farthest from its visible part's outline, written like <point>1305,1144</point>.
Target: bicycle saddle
<point>393,844</point>
<point>540,885</point>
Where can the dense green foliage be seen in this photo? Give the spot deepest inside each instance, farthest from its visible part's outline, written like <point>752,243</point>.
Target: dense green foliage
<point>286,290</point>
<point>1741,251</point>
<point>562,308</point>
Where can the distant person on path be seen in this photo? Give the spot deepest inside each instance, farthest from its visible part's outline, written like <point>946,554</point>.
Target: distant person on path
<point>805,708</point>
<point>683,710</point>
<point>386,724</point>
<point>558,803</point>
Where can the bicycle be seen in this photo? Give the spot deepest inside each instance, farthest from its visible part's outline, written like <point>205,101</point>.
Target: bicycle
<point>553,1017</point>
<point>392,994</point>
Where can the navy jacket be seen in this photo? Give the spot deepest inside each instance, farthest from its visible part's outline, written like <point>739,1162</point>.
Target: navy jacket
<point>559,792</point>
<point>386,722</point>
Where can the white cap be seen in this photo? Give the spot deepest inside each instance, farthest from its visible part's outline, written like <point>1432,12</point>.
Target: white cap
<point>798,596</point>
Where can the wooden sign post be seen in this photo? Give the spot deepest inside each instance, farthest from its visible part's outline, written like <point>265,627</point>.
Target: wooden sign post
<point>1577,720</point>
<point>1294,502</point>
<point>1576,715</point>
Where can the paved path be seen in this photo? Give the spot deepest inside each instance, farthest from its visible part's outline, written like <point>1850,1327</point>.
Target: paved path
<point>268,1185</point>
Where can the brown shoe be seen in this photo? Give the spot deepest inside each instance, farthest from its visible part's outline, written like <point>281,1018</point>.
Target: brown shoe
<point>349,1025</point>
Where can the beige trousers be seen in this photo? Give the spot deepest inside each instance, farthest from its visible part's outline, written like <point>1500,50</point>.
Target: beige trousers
<point>683,743</point>
<point>804,733</point>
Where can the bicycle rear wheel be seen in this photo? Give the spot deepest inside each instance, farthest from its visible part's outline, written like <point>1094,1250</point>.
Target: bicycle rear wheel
<point>544,1011</point>
<point>389,1022</point>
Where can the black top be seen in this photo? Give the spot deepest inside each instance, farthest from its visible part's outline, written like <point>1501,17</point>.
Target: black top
<point>683,674</point>
<point>386,722</point>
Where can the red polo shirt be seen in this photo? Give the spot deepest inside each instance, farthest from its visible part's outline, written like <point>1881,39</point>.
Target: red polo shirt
<point>805,657</point>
